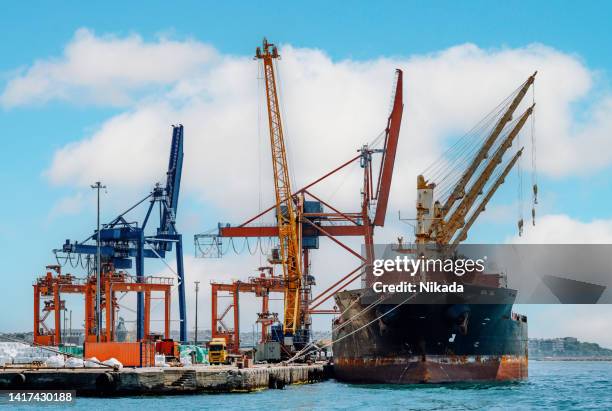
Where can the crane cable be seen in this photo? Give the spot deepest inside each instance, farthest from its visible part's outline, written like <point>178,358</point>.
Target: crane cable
<point>351,319</point>
<point>519,175</point>
<point>285,128</point>
<point>296,357</point>
<point>260,76</point>
<point>363,311</point>
<point>465,141</point>
<point>446,190</point>
<point>534,170</point>
<point>445,171</point>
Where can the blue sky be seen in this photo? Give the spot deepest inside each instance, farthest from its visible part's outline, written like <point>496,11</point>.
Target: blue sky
<point>36,129</point>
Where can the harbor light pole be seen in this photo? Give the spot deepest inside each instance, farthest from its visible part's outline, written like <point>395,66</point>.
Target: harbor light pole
<point>197,289</point>
<point>97,186</point>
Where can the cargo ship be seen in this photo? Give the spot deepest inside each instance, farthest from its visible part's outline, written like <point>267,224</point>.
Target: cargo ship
<point>468,336</point>
<point>448,340</point>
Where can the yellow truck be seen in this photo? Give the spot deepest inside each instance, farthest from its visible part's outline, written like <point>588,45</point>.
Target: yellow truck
<point>217,352</point>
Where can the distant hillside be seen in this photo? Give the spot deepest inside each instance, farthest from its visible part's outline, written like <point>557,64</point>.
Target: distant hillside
<point>568,347</point>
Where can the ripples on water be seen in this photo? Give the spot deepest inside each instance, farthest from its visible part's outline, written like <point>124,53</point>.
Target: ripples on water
<point>551,385</point>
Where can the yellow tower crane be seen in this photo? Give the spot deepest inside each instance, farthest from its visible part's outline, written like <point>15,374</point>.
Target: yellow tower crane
<point>286,210</point>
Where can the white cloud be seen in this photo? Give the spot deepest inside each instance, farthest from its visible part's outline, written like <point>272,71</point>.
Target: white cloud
<point>331,108</point>
<point>68,205</point>
<point>127,150</point>
<point>104,70</point>
<point>499,213</point>
<point>562,229</point>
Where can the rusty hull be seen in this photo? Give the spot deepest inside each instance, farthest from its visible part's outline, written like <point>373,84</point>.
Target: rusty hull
<point>433,369</point>
<point>428,343</point>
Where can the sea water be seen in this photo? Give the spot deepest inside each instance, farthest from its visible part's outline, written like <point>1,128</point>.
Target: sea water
<point>554,385</point>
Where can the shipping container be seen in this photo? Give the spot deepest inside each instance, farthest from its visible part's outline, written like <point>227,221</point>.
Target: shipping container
<point>130,354</point>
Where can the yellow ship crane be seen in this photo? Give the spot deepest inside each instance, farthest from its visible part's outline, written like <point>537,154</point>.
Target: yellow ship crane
<point>459,190</point>
<point>286,210</point>
<point>443,220</point>
<point>456,220</point>
<point>483,204</point>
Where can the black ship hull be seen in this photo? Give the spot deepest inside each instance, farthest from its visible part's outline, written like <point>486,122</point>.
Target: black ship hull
<point>428,343</point>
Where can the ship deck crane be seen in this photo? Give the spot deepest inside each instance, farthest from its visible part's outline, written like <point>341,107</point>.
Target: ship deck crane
<point>459,190</point>
<point>445,224</point>
<point>456,220</point>
<point>483,204</point>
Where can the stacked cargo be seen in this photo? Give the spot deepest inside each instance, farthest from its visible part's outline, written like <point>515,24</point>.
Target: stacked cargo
<point>18,353</point>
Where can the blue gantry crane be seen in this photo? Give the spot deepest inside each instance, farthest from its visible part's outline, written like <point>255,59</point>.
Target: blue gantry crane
<point>126,243</point>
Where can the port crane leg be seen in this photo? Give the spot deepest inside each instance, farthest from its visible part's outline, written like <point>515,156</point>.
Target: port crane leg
<point>147,312</point>
<point>236,347</point>
<point>181,288</point>
<point>140,304</point>
<point>109,308</point>
<point>57,303</point>
<point>213,311</point>
<point>265,308</point>
<point>36,313</point>
<point>167,314</point>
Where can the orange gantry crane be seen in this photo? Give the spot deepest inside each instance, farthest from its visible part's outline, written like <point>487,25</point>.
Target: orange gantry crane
<point>261,286</point>
<point>50,287</point>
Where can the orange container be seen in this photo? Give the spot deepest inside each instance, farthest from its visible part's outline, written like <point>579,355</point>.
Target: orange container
<point>130,354</point>
<point>167,347</point>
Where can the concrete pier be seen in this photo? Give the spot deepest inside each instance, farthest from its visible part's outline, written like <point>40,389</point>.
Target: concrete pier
<point>179,380</point>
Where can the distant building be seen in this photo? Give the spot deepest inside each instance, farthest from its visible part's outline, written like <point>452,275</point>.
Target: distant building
<point>558,345</point>
<point>565,347</point>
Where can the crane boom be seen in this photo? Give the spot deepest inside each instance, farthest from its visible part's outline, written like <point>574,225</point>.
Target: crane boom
<point>388,156</point>
<point>173,180</point>
<point>289,245</point>
<point>459,190</point>
<point>498,182</point>
<point>456,221</point>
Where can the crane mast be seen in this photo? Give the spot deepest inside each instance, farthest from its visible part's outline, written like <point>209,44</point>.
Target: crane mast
<point>286,210</point>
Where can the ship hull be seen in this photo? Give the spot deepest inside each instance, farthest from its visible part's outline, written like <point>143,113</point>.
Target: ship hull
<point>428,343</point>
<point>433,369</point>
